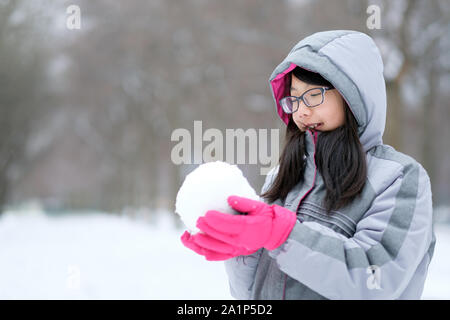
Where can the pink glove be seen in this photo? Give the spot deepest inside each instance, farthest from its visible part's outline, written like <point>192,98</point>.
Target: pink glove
<point>264,225</point>
<point>212,249</point>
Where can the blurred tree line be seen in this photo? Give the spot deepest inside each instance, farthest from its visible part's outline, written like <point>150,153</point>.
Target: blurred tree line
<point>87,115</point>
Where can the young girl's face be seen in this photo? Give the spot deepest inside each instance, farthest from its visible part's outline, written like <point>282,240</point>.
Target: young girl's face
<point>330,114</point>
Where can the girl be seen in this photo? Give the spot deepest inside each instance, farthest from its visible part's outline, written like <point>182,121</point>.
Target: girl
<point>344,215</point>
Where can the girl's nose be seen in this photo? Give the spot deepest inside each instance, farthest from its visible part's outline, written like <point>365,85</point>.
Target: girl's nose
<point>303,109</point>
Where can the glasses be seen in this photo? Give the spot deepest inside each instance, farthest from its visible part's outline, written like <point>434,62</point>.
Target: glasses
<point>311,98</point>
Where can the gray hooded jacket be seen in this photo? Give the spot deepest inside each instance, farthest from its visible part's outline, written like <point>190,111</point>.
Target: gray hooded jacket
<point>379,246</point>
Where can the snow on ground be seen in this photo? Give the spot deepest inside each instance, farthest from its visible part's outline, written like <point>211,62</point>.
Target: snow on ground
<point>102,256</point>
<point>437,285</point>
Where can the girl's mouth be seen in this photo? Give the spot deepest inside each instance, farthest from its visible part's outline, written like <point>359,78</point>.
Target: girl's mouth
<point>314,126</point>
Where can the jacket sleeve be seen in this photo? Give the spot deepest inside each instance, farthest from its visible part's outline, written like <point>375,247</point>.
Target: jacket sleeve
<point>380,259</point>
<point>241,270</point>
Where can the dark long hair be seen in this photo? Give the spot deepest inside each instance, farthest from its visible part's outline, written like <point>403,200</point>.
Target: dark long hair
<point>340,157</point>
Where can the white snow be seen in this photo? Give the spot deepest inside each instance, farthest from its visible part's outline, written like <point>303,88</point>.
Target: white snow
<point>437,285</point>
<point>102,256</point>
<point>207,187</point>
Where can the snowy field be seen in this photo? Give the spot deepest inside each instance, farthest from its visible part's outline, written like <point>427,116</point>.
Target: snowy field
<point>100,256</point>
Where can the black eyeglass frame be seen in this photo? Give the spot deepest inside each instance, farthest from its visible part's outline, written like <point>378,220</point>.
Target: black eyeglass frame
<point>297,99</point>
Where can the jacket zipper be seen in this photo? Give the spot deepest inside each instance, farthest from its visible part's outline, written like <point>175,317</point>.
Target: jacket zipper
<point>314,181</point>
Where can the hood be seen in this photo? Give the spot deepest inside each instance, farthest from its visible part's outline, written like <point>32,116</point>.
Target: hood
<point>351,61</point>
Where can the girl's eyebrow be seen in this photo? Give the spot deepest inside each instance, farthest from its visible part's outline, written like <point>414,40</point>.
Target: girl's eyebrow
<point>295,89</point>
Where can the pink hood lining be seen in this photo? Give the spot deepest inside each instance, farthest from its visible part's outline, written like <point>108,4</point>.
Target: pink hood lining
<point>280,90</point>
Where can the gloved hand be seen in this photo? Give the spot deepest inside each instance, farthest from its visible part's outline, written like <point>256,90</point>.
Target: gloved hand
<point>212,249</point>
<point>264,225</point>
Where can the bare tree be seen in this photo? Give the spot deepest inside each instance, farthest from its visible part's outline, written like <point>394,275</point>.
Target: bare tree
<point>22,91</point>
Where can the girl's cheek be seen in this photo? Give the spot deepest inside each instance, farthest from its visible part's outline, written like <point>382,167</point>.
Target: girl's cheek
<point>299,125</point>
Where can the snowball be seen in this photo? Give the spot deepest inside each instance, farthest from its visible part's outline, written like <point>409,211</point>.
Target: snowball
<point>207,188</point>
